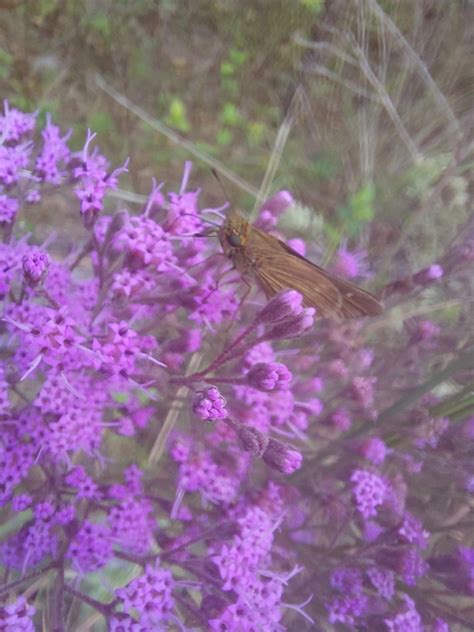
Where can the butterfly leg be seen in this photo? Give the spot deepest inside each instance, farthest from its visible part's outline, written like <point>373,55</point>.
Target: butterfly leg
<point>241,302</point>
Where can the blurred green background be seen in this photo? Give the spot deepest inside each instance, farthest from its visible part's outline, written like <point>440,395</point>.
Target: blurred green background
<point>376,95</point>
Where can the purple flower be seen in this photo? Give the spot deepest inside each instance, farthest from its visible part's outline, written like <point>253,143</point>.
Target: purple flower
<point>91,548</point>
<point>272,208</point>
<point>21,502</point>
<point>278,203</point>
<point>17,616</point>
<point>298,245</point>
<point>12,161</point>
<point>383,580</point>
<point>282,458</point>
<point>373,449</point>
<point>30,546</point>
<point>347,609</point>
<point>292,327</point>
<point>150,595</point>
<point>411,531</point>
<point>8,210</point>
<point>271,376</point>
<point>14,124</point>
<point>407,621</point>
<point>363,391</point>
<point>209,404</point>
<point>428,275</point>
<point>50,164</point>
<point>350,265</point>
<point>80,480</point>
<point>95,181</point>
<point>200,473</point>
<point>340,419</point>
<point>35,265</point>
<point>182,217</point>
<point>369,491</point>
<point>456,569</point>
<point>253,440</point>
<point>286,304</point>
<point>347,580</point>
<point>131,524</point>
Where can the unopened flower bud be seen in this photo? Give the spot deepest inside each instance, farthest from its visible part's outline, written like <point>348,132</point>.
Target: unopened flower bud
<point>428,275</point>
<point>209,404</point>
<point>269,376</point>
<point>285,304</point>
<point>253,440</point>
<point>282,457</point>
<point>298,245</point>
<point>35,266</point>
<point>278,203</point>
<point>293,327</point>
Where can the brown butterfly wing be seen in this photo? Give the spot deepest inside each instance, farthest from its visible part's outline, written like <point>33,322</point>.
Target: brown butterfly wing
<point>277,266</point>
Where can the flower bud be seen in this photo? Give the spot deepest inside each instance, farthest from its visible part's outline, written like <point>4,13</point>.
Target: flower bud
<point>428,275</point>
<point>35,266</point>
<point>285,304</point>
<point>253,440</point>
<point>298,245</point>
<point>293,327</point>
<point>282,457</point>
<point>209,404</point>
<point>269,376</point>
<point>278,203</point>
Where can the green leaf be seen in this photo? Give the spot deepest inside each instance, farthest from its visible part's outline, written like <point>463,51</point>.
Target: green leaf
<point>313,5</point>
<point>177,116</point>
<point>101,23</point>
<point>229,115</point>
<point>224,137</point>
<point>237,57</point>
<point>362,202</point>
<point>227,69</point>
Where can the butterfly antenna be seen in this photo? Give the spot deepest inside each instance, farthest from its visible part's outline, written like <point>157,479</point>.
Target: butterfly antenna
<point>216,176</point>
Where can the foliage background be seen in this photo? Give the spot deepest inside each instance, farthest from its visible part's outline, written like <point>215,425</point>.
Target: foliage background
<point>222,75</point>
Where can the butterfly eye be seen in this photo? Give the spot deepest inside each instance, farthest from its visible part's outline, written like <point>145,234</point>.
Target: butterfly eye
<point>234,240</point>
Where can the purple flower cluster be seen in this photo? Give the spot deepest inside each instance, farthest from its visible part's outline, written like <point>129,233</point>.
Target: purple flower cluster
<point>337,456</point>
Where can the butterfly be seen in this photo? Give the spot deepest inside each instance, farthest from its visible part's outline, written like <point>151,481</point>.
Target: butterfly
<point>275,266</point>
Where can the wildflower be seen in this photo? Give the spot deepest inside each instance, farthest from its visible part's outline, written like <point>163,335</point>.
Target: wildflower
<point>269,376</point>
<point>91,548</point>
<point>150,595</point>
<point>281,457</point>
<point>286,304</point>
<point>55,155</point>
<point>8,210</point>
<point>17,616</point>
<point>350,264</point>
<point>209,404</point>
<point>292,327</point>
<point>35,266</point>
<point>369,491</point>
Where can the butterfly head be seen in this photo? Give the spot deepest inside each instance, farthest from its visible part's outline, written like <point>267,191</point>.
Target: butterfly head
<point>233,233</point>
